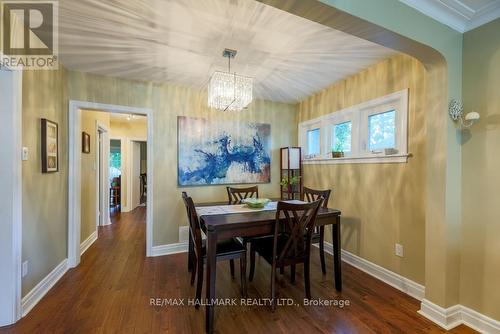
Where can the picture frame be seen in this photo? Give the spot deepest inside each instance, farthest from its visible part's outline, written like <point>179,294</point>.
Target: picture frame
<point>50,146</point>
<point>85,142</point>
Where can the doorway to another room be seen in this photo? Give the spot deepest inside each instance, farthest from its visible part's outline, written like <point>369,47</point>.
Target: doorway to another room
<point>115,175</point>
<point>113,172</point>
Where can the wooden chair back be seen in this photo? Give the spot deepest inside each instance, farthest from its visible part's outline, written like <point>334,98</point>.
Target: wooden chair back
<point>296,223</point>
<point>311,195</point>
<point>194,223</point>
<point>235,195</point>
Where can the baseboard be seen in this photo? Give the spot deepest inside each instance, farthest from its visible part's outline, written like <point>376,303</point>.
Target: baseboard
<point>36,294</point>
<point>161,250</point>
<point>447,318</point>
<point>88,242</point>
<point>456,315</point>
<point>397,281</point>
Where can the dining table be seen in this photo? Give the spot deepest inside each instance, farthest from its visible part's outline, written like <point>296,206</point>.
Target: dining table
<point>221,221</point>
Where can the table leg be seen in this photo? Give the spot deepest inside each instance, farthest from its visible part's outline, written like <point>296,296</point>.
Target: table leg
<point>190,253</point>
<point>336,254</point>
<point>210,281</point>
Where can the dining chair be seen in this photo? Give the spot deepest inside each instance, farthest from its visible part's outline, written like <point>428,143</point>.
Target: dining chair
<point>235,195</point>
<point>229,249</point>
<point>290,244</point>
<point>318,236</point>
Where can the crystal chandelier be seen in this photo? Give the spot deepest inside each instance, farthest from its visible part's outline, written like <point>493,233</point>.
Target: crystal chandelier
<point>229,91</point>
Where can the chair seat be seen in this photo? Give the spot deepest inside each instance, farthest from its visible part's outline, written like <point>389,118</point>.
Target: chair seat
<point>225,248</point>
<point>264,246</point>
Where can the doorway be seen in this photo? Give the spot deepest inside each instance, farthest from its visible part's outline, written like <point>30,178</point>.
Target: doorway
<point>138,174</point>
<point>11,194</point>
<point>75,172</point>
<point>115,175</point>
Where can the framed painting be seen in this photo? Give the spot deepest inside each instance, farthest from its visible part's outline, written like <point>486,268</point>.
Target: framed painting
<point>85,142</point>
<point>50,146</point>
<point>212,152</point>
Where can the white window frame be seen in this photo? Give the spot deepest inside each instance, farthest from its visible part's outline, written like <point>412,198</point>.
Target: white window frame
<point>358,116</point>
<point>304,128</point>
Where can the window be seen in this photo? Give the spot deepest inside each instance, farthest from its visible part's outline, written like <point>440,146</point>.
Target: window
<point>313,142</point>
<point>342,137</point>
<point>382,130</point>
<point>371,132</point>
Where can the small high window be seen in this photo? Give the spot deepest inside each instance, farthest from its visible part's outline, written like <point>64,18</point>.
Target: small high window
<point>382,130</point>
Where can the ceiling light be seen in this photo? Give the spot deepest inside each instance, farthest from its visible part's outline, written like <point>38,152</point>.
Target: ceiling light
<point>229,91</point>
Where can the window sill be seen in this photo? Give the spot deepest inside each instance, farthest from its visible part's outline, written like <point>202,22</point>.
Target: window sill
<point>378,159</point>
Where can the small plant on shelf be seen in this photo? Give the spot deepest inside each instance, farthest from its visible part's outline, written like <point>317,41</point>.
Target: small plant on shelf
<point>338,152</point>
<point>294,180</point>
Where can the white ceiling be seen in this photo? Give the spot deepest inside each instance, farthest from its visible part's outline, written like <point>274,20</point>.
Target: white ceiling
<point>461,15</point>
<point>181,41</point>
<point>127,118</point>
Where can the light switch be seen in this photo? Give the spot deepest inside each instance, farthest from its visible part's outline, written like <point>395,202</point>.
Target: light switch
<point>25,154</point>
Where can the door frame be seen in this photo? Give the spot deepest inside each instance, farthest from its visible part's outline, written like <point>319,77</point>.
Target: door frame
<point>11,277</point>
<point>102,151</point>
<point>130,166</point>
<point>74,175</point>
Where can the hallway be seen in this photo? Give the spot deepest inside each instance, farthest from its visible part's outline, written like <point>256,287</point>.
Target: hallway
<point>110,292</point>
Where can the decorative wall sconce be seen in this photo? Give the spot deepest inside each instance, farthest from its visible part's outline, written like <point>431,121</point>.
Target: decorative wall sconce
<point>456,111</point>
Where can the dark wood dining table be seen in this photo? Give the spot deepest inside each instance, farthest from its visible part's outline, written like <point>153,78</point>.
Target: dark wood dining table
<point>248,224</point>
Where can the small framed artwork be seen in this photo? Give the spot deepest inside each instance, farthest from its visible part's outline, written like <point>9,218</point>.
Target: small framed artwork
<point>85,142</point>
<point>50,146</point>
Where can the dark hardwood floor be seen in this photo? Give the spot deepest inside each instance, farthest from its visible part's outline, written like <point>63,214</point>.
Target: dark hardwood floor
<point>110,292</point>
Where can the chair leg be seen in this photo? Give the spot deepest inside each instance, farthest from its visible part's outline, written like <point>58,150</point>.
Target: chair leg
<point>273,288</point>
<point>307,280</point>
<point>322,248</point>
<point>243,275</point>
<point>199,284</point>
<point>193,270</point>
<point>292,274</point>
<point>231,267</point>
<point>252,263</point>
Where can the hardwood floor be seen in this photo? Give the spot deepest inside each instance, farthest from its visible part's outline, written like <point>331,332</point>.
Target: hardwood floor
<point>110,292</point>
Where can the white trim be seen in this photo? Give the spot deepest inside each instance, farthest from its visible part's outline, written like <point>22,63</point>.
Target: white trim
<point>74,174</point>
<point>456,315</point>
<point>181,247</point>
<point>446,318</point>
<point>397,281</point>
<point>36,294</point>
<point>12,251</point>
<point>390,159</point>
<point>455,14</point>
<point>102,176</point>
<point>88,242</point>
<point>479,322</point>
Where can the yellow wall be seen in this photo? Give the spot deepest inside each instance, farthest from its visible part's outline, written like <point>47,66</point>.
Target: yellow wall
<point>45,196</point>
<point>167,102</point>
<point>382,204</point>
<point>125,131</point>
<point>480,256</point>
<point>89,190</point>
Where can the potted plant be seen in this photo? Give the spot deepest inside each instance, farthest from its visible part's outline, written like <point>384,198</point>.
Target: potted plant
<point>294,180</point>
<point>337,152</point>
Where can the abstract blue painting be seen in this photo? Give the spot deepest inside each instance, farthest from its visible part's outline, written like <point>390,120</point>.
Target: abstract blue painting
<point>222,152</point>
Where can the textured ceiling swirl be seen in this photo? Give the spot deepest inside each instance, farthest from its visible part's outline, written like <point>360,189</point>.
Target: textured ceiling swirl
<point>181,42</point>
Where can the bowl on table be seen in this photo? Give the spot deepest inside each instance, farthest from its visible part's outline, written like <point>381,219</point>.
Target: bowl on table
<point>255,203</point>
